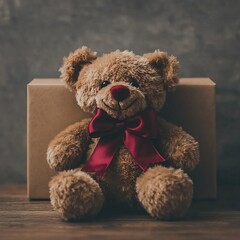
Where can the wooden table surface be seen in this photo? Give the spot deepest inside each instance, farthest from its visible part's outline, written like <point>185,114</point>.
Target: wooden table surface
<point>212,219</point>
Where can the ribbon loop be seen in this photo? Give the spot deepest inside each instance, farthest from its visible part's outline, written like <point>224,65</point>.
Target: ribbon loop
<point>135,133</point>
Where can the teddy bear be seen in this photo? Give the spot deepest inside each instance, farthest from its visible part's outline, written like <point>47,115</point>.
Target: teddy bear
<point>126,155</point>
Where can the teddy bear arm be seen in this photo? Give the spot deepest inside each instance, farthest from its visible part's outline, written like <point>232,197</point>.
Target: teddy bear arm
<point>66,150</point>
<point>178,146</point>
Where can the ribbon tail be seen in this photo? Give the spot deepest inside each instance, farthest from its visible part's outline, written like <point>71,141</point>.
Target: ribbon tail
<point>143,151</point>
<point>102,155</point>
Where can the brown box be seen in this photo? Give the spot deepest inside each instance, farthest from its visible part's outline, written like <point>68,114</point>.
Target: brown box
<point>51,108</point>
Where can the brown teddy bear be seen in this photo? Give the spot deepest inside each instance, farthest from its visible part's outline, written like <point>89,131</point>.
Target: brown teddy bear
<point>125,155</point>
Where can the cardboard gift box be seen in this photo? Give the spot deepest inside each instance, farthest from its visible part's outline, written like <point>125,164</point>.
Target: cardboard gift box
<point>51,108</point>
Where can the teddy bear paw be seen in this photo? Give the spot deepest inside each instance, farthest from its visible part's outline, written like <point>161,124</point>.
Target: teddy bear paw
<point>165,193</point>
<point>75,195</point>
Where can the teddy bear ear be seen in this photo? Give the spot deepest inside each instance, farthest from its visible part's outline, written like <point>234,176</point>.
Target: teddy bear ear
<point>73,64</point>
<point>166,66</point>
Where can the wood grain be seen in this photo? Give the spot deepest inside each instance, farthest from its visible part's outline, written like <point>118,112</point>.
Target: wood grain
<point>22,219</point>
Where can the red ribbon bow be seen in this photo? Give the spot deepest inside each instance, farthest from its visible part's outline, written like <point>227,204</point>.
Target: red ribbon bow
<point>136,133</point>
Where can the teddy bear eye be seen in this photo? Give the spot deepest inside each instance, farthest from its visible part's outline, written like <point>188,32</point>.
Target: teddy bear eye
<point>104,83</point>
<point>134,83</point>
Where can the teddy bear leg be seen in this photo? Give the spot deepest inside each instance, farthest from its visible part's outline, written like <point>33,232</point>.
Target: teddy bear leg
<point>165,193</point>
<point>75,195</point>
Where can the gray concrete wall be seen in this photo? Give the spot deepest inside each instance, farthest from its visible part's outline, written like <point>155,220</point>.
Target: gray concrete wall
<point>35,35</point>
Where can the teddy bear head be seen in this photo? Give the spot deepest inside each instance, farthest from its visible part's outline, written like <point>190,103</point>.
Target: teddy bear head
<point>121,83</point>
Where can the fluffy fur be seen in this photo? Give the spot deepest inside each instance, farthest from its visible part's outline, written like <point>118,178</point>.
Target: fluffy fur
<point>178,146</point>
<point>163,192</point>
<point>67,149</point>
<point>75,195</point>
<point>74,63</point>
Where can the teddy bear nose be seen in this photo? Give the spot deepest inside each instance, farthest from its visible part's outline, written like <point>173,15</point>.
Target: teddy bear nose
<point>119,92</point>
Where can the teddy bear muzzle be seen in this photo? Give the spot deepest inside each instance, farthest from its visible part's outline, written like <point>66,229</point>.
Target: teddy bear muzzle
<point>119,92</point>
<point>120,100</point>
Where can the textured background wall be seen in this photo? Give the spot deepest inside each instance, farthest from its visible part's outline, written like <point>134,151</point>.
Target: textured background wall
<point>35,35</point>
